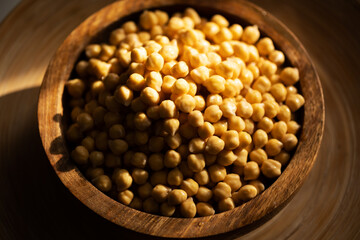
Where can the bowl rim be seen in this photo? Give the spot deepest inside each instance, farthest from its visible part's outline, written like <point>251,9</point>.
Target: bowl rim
<point>50,108</point>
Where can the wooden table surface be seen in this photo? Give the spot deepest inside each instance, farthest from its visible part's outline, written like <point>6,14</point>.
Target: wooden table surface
<point>35,205</point>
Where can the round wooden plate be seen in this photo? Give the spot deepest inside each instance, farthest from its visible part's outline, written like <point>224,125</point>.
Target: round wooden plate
<point>35,205</point>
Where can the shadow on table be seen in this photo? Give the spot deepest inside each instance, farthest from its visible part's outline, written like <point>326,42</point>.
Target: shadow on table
<point>34,204</point>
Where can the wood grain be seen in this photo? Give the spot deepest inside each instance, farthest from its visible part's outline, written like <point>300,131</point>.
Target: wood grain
<point>35,205</point>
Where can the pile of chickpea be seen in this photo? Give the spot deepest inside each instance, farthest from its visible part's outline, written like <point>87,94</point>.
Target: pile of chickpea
<point>182,116</point>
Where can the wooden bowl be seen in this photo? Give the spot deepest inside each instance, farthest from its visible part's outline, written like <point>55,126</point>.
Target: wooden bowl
<point>243,218</point>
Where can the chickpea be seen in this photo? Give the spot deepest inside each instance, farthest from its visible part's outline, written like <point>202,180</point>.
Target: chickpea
<point>169,52</point>
<point>188,208</point>
<point>204,194</point>
<point>202,177</point>
<point>214,145</point>
<point>251,171</point>
<point>190,12</point>
<point>167,109</point>
<point>228,109</point>
<point>277,57</point>
<point>295,102</point>
<point>220,127</point>
<point>268,68</point>
<point>289,141</point>
<point>122,179</point>
<point>80,155</point>
<point>130,27</point>
<point>200,74</point>
<point>292,127</point>
<point>92,173</point>
<point>75,87</point>
<point>204,209</point>
<point>244,109</point>
<point>284,113</point>
<point>226,69</point>
<point>103,183</point>
<point>213,113</point>
<point>196,118</point>
<point>226,204</point>
<point>266,124</point>
<point>215,84</point>
<point>167,210</point>
<point>196,145</point>
<point>231,139</point>
<point>140,176</point>
<point>258,155</point>
<point>153,112</point>
<point>190,187</point>
<point>279,129</point>
<point>214,99</point>
<point>258,185</point>
<point>258,111</point>
<point>125,197</point>
<point>168,83</point>
<point>262,84</point>
<point>196,162</point>
<point>173,141</point>
<point>260,138</point>
<point>180,70</point>
<point>246,76</point>
<point>278,90</point>
<point>242,155</point>
<point>185,103</point>
<point>236,123</point>
<point>253,96</point>
<point>222,190</point>
<point>160,193</point>
<point>153,47</point>
<point>156,161</point>
<point>206,130</point>
<point>210,29</point>
<point>271,168</point>
<point>199,59</point>
<point>96,158</point>
<point>224,34</point>
<point>245,193</point>
<point>162,17</point>
<point>187,131</point>
<point>265,46</point>
<point>213,59</point>
<point>154,62</point>
<point>289,76</point>
<point>233,180</point>
<point>172,159</point>
<point>241,50</point>
<point>175,23</point>
<point>251,34</point>
<point>154,80</point>
<point>148,19</point>
<point>139,160</point>
<point>171,126</point>
<point>176,197</point>
<point>175,177</point>
<point>226,49</point>
<point>273,147</point>
<point>217,173</point>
